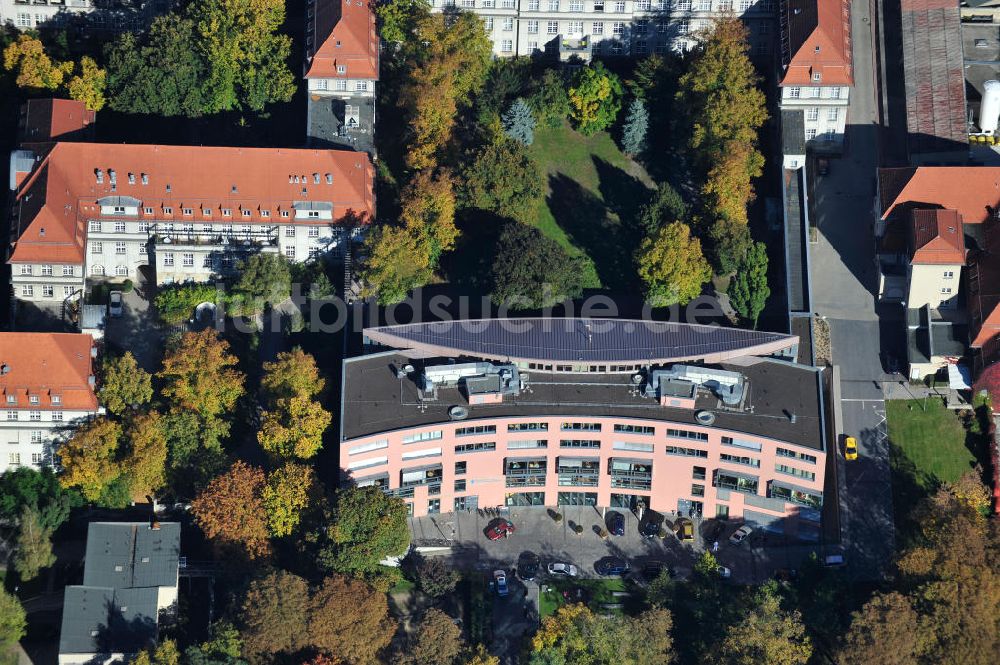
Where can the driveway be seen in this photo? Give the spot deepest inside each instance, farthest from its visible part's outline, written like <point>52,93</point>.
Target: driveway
<point>138,329</point>
<point>845,285</point>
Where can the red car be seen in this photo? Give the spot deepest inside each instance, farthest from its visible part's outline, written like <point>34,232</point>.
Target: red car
<point>500,529</point>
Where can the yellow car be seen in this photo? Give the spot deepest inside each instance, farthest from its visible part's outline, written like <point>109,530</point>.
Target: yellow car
<point>850,448</point>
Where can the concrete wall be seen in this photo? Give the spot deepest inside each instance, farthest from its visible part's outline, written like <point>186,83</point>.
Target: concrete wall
<point>672,478</point>
<point>927,285</point>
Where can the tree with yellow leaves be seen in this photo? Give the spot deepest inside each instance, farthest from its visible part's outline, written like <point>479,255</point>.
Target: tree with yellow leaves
<point>146,459</point>
<point>294,428</point>
<point>164,653</point>
<point>88,85</point>
<point>35,69</point>
<point>286,495</point>
<point>292,374</point>
<point>428,203</point>
<point>199,375</point>
<point>89,458</point>
<point>595,97</point>
<point>672,266</point>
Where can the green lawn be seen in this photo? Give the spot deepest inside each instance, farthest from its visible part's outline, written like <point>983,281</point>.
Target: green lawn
<point>590,189</point>
<point>932,441</point>
<point>597,592</point>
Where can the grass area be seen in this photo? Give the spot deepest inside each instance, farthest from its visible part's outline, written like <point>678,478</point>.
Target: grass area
<point>592,191</point>
<point>595,593</point>
<point>934,441</point>
<point>402,586</point>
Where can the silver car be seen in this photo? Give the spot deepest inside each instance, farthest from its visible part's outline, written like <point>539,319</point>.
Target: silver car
<point>559,568</point>
<point>115,304</point>
<point>740,535</point>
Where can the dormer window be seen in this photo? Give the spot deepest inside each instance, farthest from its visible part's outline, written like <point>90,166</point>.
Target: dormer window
<point>168,211</point>
<point>246,213</point>
<point>817,77</point>
<point>11,399</point>
<point>148,211</point>
<point>131,178</point>
<point>205,212</point>
<point>284,213</point>
<point>187,212</point>
<point>33,399</point>
<point>227,212</point>
<point>341,69</point>
<point>56,399</point>
<point>265,213</point>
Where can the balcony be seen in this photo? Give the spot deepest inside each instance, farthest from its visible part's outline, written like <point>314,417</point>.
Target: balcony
<point>236,241</point>
<point>571,48</point>
<point>579,472</point>
<point>631,474</point>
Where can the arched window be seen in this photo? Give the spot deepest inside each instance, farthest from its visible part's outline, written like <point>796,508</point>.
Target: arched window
<point>121,271</point>
<point>97,270</point>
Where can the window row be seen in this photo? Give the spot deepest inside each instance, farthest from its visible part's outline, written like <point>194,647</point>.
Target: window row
<point>610,6</point>
<point>46,270</point>
<point>48,291</point>
<point>35,416</point>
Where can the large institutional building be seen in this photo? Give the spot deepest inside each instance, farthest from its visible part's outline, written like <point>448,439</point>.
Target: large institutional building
<point>583,28</point>
<point>693,419</point>
<point>112,15</point>
<point>47,387</point>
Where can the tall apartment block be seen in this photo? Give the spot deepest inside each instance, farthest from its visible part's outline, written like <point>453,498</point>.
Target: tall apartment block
<point>110,15</point>
<point>816,73</point>
<point>582,28</point>
<point>163,214</point>
<point>341,68</point>
<point>46,387</point>
<point>605,413</point>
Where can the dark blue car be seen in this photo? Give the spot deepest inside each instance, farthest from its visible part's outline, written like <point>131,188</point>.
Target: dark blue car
<point>611,565</point>
<point>616,524</point>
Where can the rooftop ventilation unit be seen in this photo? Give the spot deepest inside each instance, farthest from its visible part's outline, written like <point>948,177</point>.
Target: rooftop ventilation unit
<point>458,413</point>
<point>703,417</point>
<point>727,386</point>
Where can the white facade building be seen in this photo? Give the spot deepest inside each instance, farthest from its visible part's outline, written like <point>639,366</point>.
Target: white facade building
<point>113,15</point>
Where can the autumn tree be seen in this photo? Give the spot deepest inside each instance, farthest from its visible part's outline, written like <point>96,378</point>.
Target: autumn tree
<point>480,656</point>
<point>164,653</point>
<point>231,510</point>
<point>292,374</point>
<point>447,58</point>
<point>286,495</point>
<point>434,576</point>
<point>531,270</point>
<point>33,549</point>
<point>275,608</point>
<point>428,203</point>
<point>367,527</point>
<point>970,491</point>
<point>504,179</point>
<point>35,69</point>
<point>434,640</point>
<point>124,384</point>
<point>595,97</point>
<point>88,85</point>
<point>671,265</point>
<point>766,634</point>
<point>883,631</point>
<point>294,428</point>
<point>199,375</point>
<point>398,261</point>
<point>145,459</point>
<point>13,622</point>
<point>89,458</point>
<point>727,188</point>
<point>575,634</point>
<point>749,291</point>
<point>350,619</point>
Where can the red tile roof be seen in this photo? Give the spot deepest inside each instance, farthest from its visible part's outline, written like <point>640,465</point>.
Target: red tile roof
<point>937,238</point>
<point>816,39</point>
<point>47,365</point>
<point>973,191</point>
<point>343,33</point>
<point>49,119</point>
<point>62,191</point>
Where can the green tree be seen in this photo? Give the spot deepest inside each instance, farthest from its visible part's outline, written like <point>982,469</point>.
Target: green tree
<point>159,73</point>
<point>530,270</point>
<point>665,206</point>
<point>26,487</point>
<point>224,647</point>
<point>749,291</point>
<point>766,634</point>
<point>574,634</point>
<point>286,495</point>
<point>367,527</point>
<point>434,576</point>
<point>164,653</point>
<point>125,385</point>
<point>635,128</point>
<point>504,179</point>
<point>294,429</point>
<point>275,608</point>
<point>199,375</point>
<point>13,622</point>
<point>396,18</point>
<point>292,374</point>
<point>730,243</point>
<point>33,550</point>
<point>88,86</point>
<point>519,122</point>
<point>89,458</point>
<point>671,265</point>
<point>264,278</point>
<point>595,97</point>
<point>549,99</point>
<point>398,261</point>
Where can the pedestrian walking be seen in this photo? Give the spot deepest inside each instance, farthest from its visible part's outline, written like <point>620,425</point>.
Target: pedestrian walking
<point>715,546</point>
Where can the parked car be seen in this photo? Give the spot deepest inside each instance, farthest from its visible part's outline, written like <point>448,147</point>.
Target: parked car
<point>649,529</point>
<point>616,523</point>
<point>684,528</point>
<point>741,534</point>
<point>560,568</point>
<point>527,566</point>
<point>850,448</point>
<point>501,528</point>
<point>611,565</point>
<point>653,569</point>
<point>822,166</point>
<point>725,573</point>
<point>834,560</point>
<point>500,577</point>
<point>115,306</point>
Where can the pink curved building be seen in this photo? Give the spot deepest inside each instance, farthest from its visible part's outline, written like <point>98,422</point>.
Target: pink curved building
<point>681,418</point>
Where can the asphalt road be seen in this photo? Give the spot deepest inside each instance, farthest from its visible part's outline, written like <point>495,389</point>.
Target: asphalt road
<point>844,289</point>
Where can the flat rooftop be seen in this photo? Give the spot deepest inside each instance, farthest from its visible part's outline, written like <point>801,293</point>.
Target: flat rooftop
<point>375,400</point>
<point>328,126</point>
